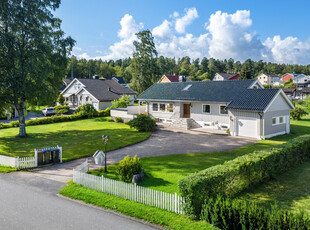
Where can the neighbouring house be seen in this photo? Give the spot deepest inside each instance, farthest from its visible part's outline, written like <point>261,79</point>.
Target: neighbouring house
<point>301,79</point>
<point>290,92</point>
<point>243,107</point>
<point>268,79</point>
<point>172,78</point>
<point>288,76</point>
<point>119,80</point>
<point>98,92</point>
<point>226,76</point>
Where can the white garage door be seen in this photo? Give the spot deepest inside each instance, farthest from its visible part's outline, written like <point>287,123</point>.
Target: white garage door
<point>247,127</point>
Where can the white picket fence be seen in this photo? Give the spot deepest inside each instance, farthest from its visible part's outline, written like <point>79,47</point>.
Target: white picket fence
<point>163,200</point>
<point>26,162</point>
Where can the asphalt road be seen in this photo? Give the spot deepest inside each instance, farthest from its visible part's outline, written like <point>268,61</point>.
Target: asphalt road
<point>31,202</point>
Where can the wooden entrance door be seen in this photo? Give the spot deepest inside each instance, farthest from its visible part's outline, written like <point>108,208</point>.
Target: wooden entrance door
<point>186,110</point>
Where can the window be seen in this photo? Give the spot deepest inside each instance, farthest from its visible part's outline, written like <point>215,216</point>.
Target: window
<point>274,121</point>
<point>278,120</point>
<point>162,107</point>
<point>86,99</point>
<point>206,108</point>
<point>170,108</point>
<point>281,120</point>
<point>155,107</point>
<point>222,109</point>
<point>187,87</point>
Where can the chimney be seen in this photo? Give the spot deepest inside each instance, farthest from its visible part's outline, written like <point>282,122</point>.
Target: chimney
<point>109,89</point>
<point>181,79</point>
<point>95,77</point>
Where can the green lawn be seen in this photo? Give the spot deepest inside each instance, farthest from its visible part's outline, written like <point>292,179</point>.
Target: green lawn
<point>7,169</point>
<point>78,138</point>
<point>290,190</point>
<point>141,211</point>
<point>164,172</point>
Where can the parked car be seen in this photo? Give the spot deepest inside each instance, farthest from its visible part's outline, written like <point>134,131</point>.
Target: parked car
<point>48,111</point>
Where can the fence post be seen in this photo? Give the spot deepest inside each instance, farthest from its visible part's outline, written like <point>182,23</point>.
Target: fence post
<point>135,192</point>
<point>102,183</point>
<point>36,158</point>
<point>60,154</point>
<point>175,202</point>
<point>17,162</point>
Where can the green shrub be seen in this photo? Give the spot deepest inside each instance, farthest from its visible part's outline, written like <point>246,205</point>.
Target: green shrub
<point>61,99</point>
<point>86,110</point>
<point>236,214</point>
<point>61,109</point>
<point>236,175</point>
<point>104,113</point>
<point>118,119</point>
<point>128,167</point>
<point>14,123</point>
<point>297,113</point>
<point>123,102</point>
<point>143,123</point>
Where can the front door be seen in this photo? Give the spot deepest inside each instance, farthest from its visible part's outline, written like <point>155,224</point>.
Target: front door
<point>186,110</point>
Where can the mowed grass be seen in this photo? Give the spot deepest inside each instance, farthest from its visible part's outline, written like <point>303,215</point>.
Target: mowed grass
<point>164,172</point>
<point>141,211</point>
<point>7,169</point>
<point>290,190</point>
<point>78,138</point>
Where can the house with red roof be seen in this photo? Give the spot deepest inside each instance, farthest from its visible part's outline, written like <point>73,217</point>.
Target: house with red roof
<point>172,78</point>
<point>226,76</point>
<point>288,76</point>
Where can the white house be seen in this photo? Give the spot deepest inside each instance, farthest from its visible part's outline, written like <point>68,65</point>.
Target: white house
<point>268,79</point>
<point>226,76</point>
<point>243,107</point>
<point>301,79</point>
<point>98,92</point>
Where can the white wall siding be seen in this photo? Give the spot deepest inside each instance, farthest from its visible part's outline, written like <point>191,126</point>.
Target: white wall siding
<point>199,116</point>
<point>270,129</point>
<point>104,105</point>
<point>164,115</point>
<point>278,104</point>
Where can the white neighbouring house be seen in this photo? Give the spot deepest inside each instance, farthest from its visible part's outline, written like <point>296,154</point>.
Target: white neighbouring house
<point>268,79</point>
<point>98,92</point>
<point>244,107</point>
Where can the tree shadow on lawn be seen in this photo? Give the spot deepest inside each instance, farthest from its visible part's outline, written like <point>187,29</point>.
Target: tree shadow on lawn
<point>290,190</point>
<point>75,143</point>
<point>151,181</point>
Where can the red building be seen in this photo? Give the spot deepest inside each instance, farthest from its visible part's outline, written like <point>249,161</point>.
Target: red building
<point>288,76</point>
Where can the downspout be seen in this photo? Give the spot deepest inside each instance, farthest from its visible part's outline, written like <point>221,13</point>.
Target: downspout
<point>261,124</point>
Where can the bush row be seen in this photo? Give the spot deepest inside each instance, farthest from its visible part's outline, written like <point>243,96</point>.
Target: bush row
<point>237,214</point>
<point>236,175</point>
<point>61,109</point>
<point>56,119</point>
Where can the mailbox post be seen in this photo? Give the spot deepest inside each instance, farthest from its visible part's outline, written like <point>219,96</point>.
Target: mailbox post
<point>105,140</point>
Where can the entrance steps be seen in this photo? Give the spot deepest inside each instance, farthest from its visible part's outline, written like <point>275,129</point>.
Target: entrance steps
<point>185,123</point>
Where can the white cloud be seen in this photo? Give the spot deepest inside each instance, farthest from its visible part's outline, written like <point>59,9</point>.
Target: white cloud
<point>288,50</point>
<point>187,19</point>
<point>226,36</point>
<point>230,37</point>
<point>163,31</point>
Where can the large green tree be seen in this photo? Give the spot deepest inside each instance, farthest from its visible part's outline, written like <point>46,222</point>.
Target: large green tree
<point>33,53</point>
<point>144,68</point>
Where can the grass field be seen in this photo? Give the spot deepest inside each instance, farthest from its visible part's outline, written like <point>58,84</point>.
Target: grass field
<point>7,169</point>
<point>164,172</point>
<point>141,211</point>
<point>78,138</point>
<point>290,190</point>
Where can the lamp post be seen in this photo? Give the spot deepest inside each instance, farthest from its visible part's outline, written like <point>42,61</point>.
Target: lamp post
<point>105,140</point>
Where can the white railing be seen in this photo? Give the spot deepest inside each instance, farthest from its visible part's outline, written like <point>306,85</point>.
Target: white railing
<point>163,200</point>
<point>26,162</point>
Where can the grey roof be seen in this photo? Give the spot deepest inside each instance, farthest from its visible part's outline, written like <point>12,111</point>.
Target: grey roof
<point>253,99</point>
<point>105,90</point>
<point>120,79</point>
<point>235,93</point>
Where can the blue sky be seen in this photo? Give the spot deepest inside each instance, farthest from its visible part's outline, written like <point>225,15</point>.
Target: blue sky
<point>217,28</point>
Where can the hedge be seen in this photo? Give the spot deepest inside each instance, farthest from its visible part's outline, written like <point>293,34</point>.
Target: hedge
<point>61,109</point>
<point>237,214</point>
<point>54,119</point>
<point>236,175</point>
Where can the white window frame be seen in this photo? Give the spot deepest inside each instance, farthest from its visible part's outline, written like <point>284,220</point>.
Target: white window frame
<point>203,109</point>
<point>278,120</point>
<point>166,107</point>
<point>220,110</point>
<point>157,107</point>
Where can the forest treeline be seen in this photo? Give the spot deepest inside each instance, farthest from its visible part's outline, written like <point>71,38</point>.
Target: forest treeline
<point>196,70</point>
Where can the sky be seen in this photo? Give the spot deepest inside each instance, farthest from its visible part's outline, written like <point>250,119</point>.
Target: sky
<point>273,30</point>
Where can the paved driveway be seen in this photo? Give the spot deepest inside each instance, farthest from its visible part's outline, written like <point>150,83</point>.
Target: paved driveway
<point>164,141</point>
<point>30,202</point>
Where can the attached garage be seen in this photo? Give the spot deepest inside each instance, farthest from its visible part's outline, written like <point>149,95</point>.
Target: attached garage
<point>247,127</point>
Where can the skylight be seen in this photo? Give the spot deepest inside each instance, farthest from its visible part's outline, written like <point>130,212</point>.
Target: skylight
<point>187,87</point>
